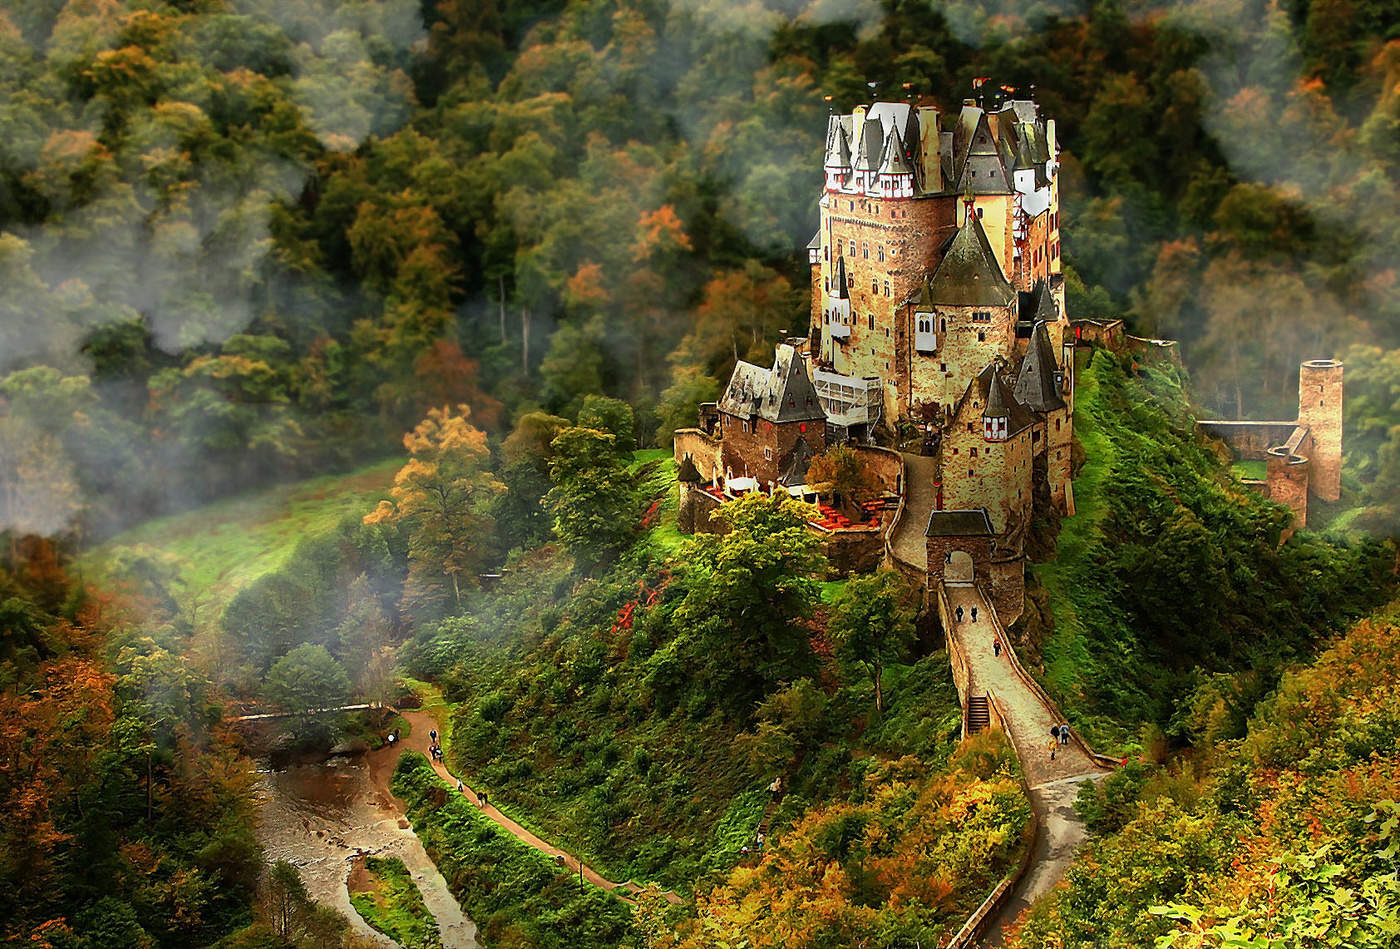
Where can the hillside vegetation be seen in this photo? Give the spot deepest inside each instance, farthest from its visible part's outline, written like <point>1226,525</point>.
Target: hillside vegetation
<point>1171,581</point>
<point>1286,837</point>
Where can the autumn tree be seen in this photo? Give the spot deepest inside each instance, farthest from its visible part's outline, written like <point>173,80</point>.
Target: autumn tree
<point>872,625</point>
<point>441,498</point>
<point>841,472</point>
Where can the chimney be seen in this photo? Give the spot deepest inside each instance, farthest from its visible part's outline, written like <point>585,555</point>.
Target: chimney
<point>932,170</point>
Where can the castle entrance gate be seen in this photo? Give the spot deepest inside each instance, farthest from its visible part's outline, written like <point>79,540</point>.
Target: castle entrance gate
<point>958,570</point>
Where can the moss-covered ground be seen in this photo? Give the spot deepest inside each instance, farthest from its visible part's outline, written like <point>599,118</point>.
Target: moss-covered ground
<point>391,903</point>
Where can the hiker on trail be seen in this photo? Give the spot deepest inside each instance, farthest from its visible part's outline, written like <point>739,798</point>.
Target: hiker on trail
<point>974,614</point>
<point>392,738</point>
<point>432,735</point>
<point>958,613</point>
<point>776,788</point>
<point>1064,733</point>
<point>1054,744</point>
<point>485,799</point>
<point>760,840</point>
<point>459,786</point>
<point>996,647</point>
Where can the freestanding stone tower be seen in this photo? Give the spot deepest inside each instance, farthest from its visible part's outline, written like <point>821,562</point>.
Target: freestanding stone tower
<point>1320,409</point>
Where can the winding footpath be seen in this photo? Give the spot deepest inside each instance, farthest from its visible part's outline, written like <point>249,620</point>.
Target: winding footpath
<point>421,723</point>
<point>1054,783</point>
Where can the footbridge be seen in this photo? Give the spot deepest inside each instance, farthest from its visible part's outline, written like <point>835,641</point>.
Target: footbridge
<point>997,691</point>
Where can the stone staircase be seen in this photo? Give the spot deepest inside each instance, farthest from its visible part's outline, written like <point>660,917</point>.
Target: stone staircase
<point>979,716</point>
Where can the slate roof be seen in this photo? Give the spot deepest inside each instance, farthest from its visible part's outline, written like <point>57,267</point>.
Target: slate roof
<point>783,393</point>
<point>838,147</point>
<point>969,274</point>
<point>839,288</point>
<point>997,398</point>
<point>687,473</point>
<point>959,524</point>
<point>1035,384</point>
<point>893,161</point>
<point>868,145</point>
<point>1038,305</point>
<point>795,473</point>
<point>979,159</point>
<point>816,242</point>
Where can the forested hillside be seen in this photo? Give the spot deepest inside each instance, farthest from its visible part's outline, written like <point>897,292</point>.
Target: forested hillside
<point>249,242</point>
<point>1286,837</point>
<point>1174,583</point>
<point>260,239</point>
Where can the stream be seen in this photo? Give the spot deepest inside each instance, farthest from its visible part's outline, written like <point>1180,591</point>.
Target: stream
<point>320,816</point>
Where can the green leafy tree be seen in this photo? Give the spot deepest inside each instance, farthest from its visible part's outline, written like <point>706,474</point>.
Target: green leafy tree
<point>872,625</point>
<point>593,500</point>
<point>612,416</point>
<point>748,595</point>
<point>307,677</point>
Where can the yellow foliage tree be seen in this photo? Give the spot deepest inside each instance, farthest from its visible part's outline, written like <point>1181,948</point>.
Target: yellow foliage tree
<point>440,496</point>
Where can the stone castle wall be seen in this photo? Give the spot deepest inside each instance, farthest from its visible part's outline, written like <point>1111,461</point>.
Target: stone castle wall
<point>759,452</point>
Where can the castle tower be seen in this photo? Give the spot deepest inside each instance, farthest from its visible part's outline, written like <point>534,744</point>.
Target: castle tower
<point>1320,409</point>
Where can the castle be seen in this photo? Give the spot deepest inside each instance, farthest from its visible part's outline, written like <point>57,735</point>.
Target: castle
<point>937,303</point>
<point>938,310</point>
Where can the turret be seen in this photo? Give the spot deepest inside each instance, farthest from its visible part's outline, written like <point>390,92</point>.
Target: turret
<point>896,176</point>
<point>996,416</point>
<point>1320,409</point>
<point>838,309</point>
<point>838,157</point>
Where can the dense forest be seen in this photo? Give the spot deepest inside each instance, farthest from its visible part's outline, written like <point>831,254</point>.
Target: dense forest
<point>247,242</point>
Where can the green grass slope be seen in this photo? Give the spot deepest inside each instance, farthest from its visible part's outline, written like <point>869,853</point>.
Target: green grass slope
<point>220,548</point>
<point>1171,578</point>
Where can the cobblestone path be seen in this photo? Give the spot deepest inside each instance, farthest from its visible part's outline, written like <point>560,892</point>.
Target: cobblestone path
<point>909,542</point>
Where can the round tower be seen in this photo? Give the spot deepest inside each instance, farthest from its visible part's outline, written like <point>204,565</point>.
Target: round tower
<point>1320,409</point>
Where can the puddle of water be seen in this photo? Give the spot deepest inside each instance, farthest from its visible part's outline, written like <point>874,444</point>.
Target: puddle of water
<point>318,817</point>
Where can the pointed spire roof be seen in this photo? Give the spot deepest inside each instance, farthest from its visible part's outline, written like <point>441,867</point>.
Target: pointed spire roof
<point>687,473</point>
<point>838,149</point>
<point>969,274</point>
<point>872,136</point>
<point>893,161</point>
<point>1036,385</point>
<point>839,288</point>
<point>997,399</point>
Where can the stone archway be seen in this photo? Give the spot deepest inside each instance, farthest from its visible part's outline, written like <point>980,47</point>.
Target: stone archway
<point>958,571</point>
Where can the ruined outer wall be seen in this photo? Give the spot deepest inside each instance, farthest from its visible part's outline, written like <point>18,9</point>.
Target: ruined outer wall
<point>1287,477</point>
<point>1249,439</point>
<point>1320,409</point>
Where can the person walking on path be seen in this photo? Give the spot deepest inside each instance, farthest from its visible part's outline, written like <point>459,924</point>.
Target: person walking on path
<point>996,647</point>
<point>958,613</point>
<point>1054,745</point>
<point>459,786</point>
<point>974,614</point>
<point>1064,733</point>
<point>432,735</point>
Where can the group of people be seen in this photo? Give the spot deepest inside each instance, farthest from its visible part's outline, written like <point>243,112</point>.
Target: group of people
<point>1059,735</point>
<point>758,841</point>
<point>959,614</point>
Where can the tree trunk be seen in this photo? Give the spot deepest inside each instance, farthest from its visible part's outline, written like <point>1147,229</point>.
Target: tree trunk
<point>149,781</point>
<point>879,690</point>
<point>525,340</point>
<point>502,285</point>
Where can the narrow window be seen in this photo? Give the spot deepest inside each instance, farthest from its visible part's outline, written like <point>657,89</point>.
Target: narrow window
<point>979,214</point>
<point>981,336</point>
<point>881,250</point>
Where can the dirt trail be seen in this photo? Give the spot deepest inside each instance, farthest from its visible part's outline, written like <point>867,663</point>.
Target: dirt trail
<point>418,740</point>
